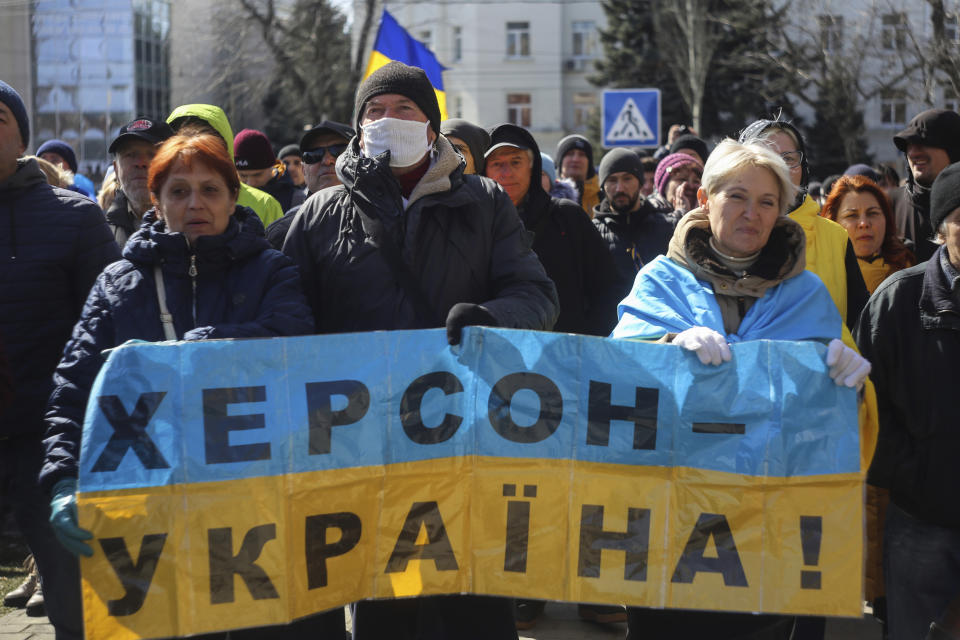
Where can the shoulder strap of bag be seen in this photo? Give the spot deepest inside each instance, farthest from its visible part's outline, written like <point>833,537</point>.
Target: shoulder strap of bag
<point>169,331</point>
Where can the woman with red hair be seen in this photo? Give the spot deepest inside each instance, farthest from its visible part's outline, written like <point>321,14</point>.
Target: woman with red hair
<point>863,209</point>
<point>198,268</point>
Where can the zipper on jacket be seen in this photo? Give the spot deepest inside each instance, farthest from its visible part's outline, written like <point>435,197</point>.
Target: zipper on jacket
<point>193,283</point>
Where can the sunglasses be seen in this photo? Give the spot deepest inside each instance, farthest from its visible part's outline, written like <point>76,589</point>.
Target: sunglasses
<point>316,155</point>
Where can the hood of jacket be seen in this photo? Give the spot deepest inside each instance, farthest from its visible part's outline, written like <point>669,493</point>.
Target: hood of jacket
<point>152,243</point>
<point>537,201</point>
<point>28,174</point>
<point>212,115</point>
<point>783,256</point>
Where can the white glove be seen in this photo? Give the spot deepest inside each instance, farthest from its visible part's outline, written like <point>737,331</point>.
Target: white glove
<point>710,346</point>
<point>847,367</point>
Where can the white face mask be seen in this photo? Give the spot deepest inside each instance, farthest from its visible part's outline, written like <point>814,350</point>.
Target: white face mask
<point>405,139</point>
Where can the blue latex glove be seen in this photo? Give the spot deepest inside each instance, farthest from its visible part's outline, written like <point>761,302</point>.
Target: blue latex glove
<point>63,517</point>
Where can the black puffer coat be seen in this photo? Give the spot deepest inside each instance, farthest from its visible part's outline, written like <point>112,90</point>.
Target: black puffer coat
<point>240,288</point>
<point>459,235</point>
<point>634,238</point>
<point>910,333</point>
<point>53,245</point>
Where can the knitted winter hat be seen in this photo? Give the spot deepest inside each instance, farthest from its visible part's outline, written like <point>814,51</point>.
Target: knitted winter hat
<point>252,150</point>
<point>619,160</point>
<point>662,176</point>
<point>944,195</point>
<point>396,77</point>
<point>690,141</point>
<point>62,149</point>
<point>571,142</point>
<point>549,167</point>
<point>477,138</point>
<point>10,97</point>
<point>289,150</point>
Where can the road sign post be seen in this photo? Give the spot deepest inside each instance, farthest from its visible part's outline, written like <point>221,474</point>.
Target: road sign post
<point>631,118</point>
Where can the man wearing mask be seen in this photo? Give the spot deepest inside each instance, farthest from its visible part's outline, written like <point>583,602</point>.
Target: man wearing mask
<point>132,150</point>
<point>409,242</point>
<point>574,157</point>
<point>321,145</point>
<point>931,142</point>
<point>635,231</point>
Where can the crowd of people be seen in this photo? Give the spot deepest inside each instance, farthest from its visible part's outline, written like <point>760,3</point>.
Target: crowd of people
<point>399,220</point>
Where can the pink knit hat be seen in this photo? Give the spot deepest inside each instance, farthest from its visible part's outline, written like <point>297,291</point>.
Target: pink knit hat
<point>662,176</point>
<point>252,150</point>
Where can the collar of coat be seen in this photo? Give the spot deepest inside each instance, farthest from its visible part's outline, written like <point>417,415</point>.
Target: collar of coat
<point>938,300</point>
<point>781,258</point>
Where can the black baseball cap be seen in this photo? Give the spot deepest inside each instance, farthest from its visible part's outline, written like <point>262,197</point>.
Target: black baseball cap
<point>508,135</point>
<point>345,131</point>
<point>153,131</point>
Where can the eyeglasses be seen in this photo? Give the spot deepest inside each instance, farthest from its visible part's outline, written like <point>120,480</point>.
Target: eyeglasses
<point>793,158</point>
<point>316,155</point>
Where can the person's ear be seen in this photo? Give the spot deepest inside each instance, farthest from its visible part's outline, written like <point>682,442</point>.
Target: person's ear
<point>702,197</point>
<point>431,136</point>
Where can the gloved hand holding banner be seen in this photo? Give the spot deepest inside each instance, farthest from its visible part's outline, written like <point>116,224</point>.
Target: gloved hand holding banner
<point>231,484</point>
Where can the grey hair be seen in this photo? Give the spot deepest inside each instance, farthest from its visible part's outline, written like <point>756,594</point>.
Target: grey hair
<point>730,157</point>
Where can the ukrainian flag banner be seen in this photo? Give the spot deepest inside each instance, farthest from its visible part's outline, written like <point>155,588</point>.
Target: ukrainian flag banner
<point>231,484</point>
<point>395,44</point>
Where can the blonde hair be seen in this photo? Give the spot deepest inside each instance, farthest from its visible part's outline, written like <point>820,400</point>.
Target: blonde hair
<point>56,176</point>
<point>730,157</point>
<point>108,191</point>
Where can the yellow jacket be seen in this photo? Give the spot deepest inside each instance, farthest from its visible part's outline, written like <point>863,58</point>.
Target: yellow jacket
<point>826,253</point>
<point>591,194</point>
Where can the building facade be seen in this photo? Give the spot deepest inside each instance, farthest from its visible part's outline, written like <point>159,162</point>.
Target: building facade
<point>526,63</point>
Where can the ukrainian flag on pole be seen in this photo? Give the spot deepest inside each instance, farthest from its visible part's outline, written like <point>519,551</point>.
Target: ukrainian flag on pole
<point>395,44</point>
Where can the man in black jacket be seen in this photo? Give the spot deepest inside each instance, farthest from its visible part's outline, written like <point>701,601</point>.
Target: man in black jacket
<point>635,231</point>
<point>408,242</point>
<point>133,149</point>
<point>930,142</point>
<point>55,243</point>
<point>570,248</point>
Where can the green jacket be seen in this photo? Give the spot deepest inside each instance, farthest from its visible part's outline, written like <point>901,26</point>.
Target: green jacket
<point>265,205</point>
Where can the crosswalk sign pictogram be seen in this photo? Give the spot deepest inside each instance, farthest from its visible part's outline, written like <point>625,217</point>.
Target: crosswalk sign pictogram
<point>631,117</point>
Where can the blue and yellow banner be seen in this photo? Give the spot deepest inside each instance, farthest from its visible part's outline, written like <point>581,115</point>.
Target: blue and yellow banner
<point>232,484</point>
<point>393,43</point>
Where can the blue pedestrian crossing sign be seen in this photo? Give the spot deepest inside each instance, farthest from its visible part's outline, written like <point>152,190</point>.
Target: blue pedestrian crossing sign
<point>631,118</point>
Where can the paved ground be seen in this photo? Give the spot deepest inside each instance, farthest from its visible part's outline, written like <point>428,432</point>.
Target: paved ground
<point>560,622</point>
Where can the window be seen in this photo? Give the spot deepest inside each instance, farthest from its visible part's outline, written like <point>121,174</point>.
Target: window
<point>831,32</point>
<point>950,98</point>
<point>518,109</point>
<point>426,37</point>
<point>894,31</point>
<point>457,44</point>
<point>584,105</point>
<point>584,38</point>
<point>518,39</point>
<point>951,29</point>
<point>893,107</point>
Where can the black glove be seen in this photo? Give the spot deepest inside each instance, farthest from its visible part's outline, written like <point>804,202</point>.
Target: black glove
<point>464,314</point>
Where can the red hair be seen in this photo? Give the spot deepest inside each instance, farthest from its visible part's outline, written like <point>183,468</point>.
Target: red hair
<point>893,251</point>
<point>190,147</point>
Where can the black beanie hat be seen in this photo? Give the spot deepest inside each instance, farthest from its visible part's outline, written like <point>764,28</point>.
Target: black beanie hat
<point>10,97</point>
<point>690,141</point>
<point>396,77</point>
<point>944,195</point>
<point>570,143</point>
<point>938,128</point>
<point>477,138</point>
<point>292,149</point>
<point>620,160</point>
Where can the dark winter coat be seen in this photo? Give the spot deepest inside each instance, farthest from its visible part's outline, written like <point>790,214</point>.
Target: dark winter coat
<point>910,332</point>
<point>122,222</point>
<point>459,235</point>
<point>54,243</point>
<point>287,194</point>
<point>573,254</point>
<point>912,213</point>
<point>633,239</point>
<point>277,231</point>
<point>244,289</point>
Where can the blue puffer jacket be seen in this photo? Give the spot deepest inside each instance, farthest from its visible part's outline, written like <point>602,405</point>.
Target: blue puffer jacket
<point>244,289</point>
<point>53,245</point>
